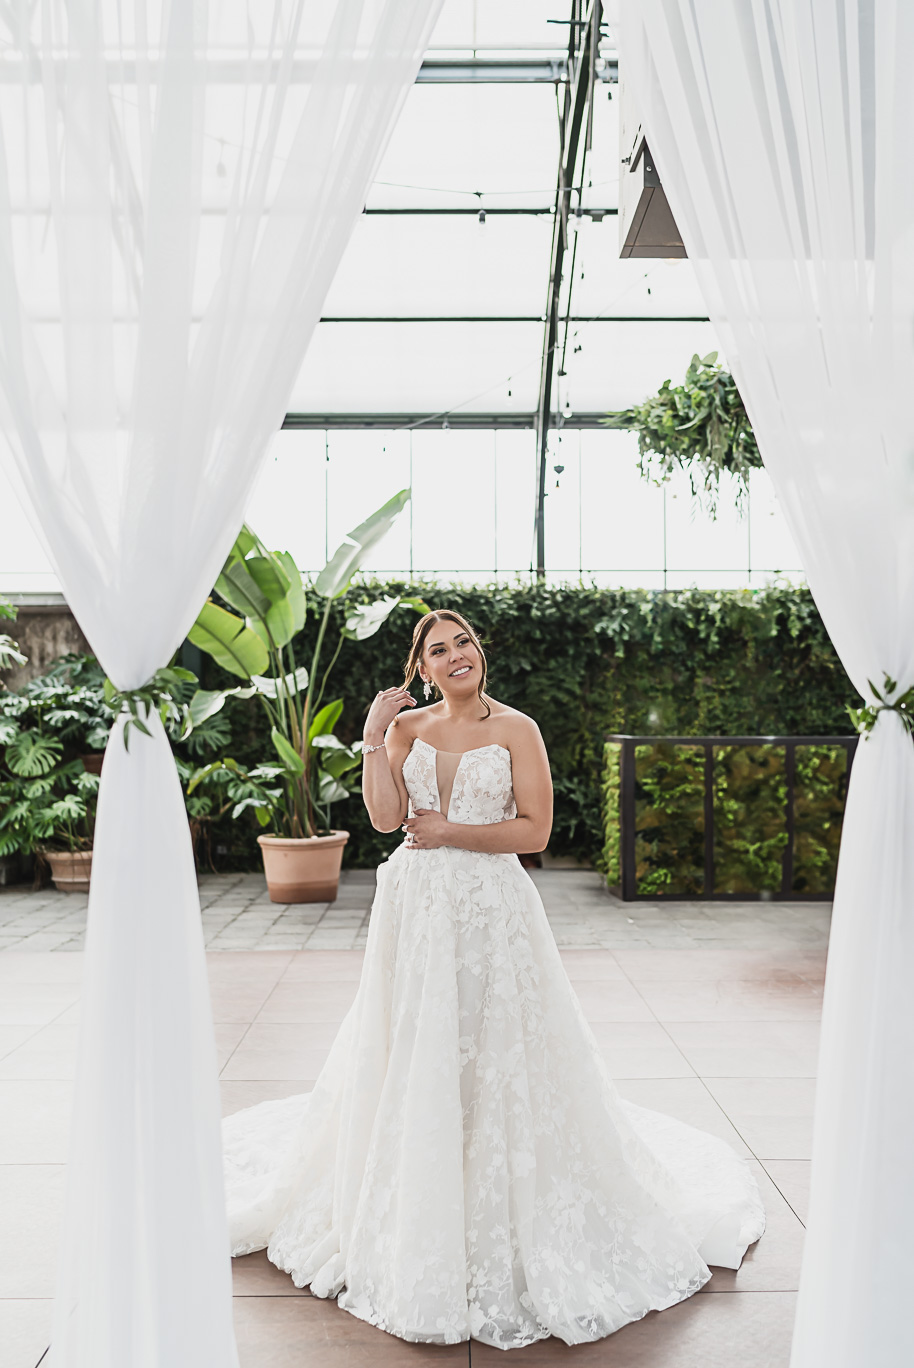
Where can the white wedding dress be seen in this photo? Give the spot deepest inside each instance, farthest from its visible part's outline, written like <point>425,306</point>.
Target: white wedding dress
<point>464,1165</point>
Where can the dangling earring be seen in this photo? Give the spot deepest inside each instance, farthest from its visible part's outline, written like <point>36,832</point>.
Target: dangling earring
<point>427,690</point>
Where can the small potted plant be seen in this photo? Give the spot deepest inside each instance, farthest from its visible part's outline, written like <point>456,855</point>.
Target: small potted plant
<point>292,793</point>
<point>47,809</point>
<point>47,798</point>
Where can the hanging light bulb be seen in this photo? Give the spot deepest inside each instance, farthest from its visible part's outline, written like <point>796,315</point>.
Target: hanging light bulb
<point>481,218</point>
<point>577,219</point>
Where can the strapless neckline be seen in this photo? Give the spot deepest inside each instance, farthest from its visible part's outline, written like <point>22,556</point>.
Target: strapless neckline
<point>493,745</point>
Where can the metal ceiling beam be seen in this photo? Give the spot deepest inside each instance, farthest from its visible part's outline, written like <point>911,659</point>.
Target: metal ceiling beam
<point>543,211</point>
<point>488,70</point>
<point>388,422</point>
<point>583,51</point>
<point>515,318</point>
<point>240,70</point>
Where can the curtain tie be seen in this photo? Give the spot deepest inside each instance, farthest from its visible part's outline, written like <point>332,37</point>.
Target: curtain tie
<point>865,718</point>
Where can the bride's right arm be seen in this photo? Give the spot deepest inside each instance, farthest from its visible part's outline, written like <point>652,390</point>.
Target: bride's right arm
<point>383,788</point>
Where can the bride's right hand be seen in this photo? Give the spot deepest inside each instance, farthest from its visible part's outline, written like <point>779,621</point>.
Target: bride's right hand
<point>384,708</point>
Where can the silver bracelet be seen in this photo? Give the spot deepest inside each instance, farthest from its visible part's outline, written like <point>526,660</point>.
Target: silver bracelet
<point>366,749</point>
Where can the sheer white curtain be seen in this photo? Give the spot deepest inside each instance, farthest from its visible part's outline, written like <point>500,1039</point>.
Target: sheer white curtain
<point>177,184</point>
<point>782,132</point>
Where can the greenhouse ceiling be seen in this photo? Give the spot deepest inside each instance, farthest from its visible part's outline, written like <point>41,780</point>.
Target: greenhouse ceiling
<point>437,319</point>
<point>437,312</point>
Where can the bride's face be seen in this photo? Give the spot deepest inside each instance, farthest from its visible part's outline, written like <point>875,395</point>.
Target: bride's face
<point>450,659</point>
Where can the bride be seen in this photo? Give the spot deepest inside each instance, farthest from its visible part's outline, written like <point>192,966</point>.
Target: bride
<point>464,1166</point>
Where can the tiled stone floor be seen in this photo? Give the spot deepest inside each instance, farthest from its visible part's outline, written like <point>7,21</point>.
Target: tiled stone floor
<point>238,915</point>
<point>707,1012</point>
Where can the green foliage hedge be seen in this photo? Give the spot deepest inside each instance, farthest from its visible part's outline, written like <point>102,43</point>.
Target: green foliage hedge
<point>583,662</point>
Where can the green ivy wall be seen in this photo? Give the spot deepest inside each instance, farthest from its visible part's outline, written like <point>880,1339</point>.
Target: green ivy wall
<point>584,662</point>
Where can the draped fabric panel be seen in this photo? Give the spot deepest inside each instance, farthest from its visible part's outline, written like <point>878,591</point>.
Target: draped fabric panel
<point>178,182</point>
<point>781,130</point>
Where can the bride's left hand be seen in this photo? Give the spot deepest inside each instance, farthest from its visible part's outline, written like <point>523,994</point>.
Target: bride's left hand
<point>426,831</point>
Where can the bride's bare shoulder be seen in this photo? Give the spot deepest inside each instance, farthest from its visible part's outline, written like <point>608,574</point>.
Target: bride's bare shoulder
<point>514,726</point>
<point>413,722</point>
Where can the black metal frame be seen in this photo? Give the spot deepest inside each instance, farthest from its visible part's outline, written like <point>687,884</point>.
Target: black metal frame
<point>626,887</point>
<point>513,318</point>
<point>393,422</point>
<point>575,115</point>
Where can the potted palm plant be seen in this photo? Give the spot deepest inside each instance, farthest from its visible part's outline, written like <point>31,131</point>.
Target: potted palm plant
<point>292,794</point>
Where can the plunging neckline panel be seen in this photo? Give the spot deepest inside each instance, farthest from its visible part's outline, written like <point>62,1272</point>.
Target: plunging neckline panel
<point>458,755</point>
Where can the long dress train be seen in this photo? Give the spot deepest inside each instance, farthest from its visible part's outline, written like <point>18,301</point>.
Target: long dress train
<point>465,1165</point>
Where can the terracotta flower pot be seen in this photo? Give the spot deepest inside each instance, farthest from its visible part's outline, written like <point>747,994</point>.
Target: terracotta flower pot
<point>305,869</point>
<point>70,869</point>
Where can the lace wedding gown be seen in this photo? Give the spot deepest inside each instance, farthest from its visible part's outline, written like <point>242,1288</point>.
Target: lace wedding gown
<point>464,1165</point>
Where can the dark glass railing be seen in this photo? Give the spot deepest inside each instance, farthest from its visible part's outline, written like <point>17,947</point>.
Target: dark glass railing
<point>737,817</point>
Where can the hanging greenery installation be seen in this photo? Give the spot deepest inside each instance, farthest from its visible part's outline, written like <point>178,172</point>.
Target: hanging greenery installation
<point>700,427</point>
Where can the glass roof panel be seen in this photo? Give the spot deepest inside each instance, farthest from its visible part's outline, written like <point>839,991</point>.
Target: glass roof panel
<point>420,368</point>
<point>620,364</point>
<point>601,184</point>
<point>604,284</point>
<point>455,142</point>
<point>479,24</point>
<point>431,266</point>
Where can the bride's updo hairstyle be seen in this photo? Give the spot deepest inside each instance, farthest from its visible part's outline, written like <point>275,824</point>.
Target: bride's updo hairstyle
<point>421,631</point>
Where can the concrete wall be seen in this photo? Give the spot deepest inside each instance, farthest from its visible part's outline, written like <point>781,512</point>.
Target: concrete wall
<point>45,629</point>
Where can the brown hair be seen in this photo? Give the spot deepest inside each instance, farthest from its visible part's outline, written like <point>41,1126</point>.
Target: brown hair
<point>421,631</point>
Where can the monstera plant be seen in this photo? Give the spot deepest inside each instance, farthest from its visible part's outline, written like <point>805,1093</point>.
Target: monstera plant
<point>253,639</point>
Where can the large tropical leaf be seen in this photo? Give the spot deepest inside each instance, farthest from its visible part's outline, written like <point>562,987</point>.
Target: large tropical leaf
<point>296,588</point>
<point>278,622</point>
<point>337,762</point>
<point>10,653</point>
<point>295,683</point>
<point>287,754</point>
<point>231,644</point>
<point>336,575</point>
<point>207,702</point>
<point>69,808</point>
<point>239,588</point>
<point>245,543</point>
<point>8,729</point>
<point>325,720</point>
<point>212,735</point>
<point>263,808</point>
<point>362,622</point>
<point>330,789</point>
<point>31,754</point>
